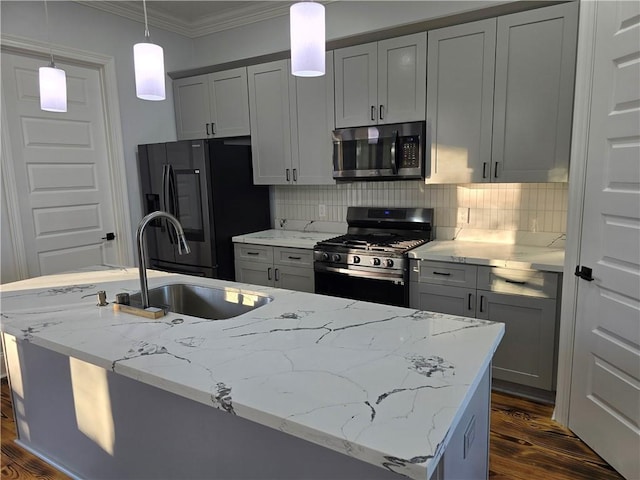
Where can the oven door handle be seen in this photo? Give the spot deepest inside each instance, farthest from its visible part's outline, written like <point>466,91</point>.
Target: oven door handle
<point>359,273</point>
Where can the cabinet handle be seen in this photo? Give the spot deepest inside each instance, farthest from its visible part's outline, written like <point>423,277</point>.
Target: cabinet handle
<point>469,302</point>
<point>277,276</point>
<point>481,300</point>
<point>288,176</point>
<point>484,170</point>
<point>294,258</point>
<point>253,253</point>
<point>295,174</point>
<point>515,282</point>
<point>373,112</point>
<point>269,274</point>
<point>213,128</point>
<point>442,273</point>
<point>495,170</point>
<point>207,127</point>
<point>381,112</point>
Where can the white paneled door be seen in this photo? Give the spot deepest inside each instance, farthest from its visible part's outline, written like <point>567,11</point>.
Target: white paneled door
<point>605,388</point>
<point>61,169</point>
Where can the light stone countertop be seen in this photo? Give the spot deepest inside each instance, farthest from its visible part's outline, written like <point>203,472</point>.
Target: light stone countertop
<point>492,254</point>
<point>386,385</point>
<point>284,238</point>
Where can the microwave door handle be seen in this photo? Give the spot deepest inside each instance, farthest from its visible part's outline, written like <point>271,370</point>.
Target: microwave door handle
<point>394,153</point>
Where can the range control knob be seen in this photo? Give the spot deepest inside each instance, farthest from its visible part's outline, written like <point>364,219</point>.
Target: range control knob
<point>336,257</point>
<point>389,263</point>
<point>356,259</point>
<point>325,257</point>
<point>375,261</point>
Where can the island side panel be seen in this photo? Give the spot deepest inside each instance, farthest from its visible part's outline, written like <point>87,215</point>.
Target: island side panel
<point>97,424</point>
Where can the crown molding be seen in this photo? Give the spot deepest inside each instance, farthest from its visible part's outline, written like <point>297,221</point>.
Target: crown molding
<point>204,26</point>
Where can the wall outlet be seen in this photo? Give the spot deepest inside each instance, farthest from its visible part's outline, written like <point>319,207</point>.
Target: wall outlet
<point>322,210</point>
<point>463,215</point>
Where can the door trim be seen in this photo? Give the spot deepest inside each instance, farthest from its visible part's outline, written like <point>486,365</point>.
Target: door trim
<point>115,146</point>
<point>577,180</point>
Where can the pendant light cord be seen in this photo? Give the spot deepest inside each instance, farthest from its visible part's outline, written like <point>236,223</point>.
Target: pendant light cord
<point>146,25</point>
<point>46,22</point>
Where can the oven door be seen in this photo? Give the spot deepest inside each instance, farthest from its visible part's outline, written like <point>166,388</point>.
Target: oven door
<point>337,283</point>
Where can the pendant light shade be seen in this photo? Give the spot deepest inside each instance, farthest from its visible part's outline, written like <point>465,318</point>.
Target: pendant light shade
<point>148,64</point>
<point>148,60</point>
<point>307,39</point>
<point>53,89</point>
<point>52,81</point>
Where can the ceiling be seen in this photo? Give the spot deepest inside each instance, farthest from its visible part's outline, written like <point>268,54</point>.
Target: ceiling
<point>195,18</point>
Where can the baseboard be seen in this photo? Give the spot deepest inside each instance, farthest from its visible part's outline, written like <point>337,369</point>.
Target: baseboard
<point>535,394</point>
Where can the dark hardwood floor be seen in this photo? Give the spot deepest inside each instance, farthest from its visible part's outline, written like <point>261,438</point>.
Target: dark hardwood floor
<point>525,445</point>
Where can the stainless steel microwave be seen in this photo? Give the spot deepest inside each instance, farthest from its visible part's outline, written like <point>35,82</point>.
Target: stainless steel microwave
<point>380,152</point>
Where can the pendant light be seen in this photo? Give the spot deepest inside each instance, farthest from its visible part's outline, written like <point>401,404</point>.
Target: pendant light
<point>52,80</point>
<point>148,60</point>
<point>307,39</point>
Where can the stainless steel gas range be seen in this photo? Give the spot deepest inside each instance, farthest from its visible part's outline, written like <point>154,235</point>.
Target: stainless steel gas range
<point>370,261</point>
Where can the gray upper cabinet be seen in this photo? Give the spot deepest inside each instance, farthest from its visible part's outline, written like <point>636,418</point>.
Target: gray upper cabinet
<point>270,122</point>
<point>291,123</point>
<point>500,97</point>
<point>460,101</point>
<point>535,69</point>
<point>215,105</point>
<point>381,82</point>
<point>312,122</point>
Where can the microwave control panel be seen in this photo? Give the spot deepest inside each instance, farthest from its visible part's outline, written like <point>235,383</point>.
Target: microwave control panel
<point>409,152</point>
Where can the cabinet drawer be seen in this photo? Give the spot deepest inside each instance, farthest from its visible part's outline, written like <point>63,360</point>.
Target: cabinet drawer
<point>293,256</point>
<point>444,273</point>
<point>518,282</point>
<point>253,253</point>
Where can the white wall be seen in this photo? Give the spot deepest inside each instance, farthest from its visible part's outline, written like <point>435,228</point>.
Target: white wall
<point>343,19</point>
<point>84,28</point>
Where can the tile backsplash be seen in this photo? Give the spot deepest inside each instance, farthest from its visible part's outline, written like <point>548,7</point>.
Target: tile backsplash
<point>525,207</point>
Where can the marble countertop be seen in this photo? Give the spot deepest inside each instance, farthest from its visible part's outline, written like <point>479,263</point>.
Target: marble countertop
<point>386,385</point>
<point>284,238</point>
<point>492,254</point>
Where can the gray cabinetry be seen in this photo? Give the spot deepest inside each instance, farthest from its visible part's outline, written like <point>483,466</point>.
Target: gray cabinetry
<point>535,69</point>
<point>500,97</point>
<point>460,73</point>
<point>282,267</point>
<point>291,124</point>
<point>524,300</point>
<point>215,105</point>
<point>381,82</point>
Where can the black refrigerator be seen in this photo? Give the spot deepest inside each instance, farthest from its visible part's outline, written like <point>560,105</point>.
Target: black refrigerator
<point>208,186</point>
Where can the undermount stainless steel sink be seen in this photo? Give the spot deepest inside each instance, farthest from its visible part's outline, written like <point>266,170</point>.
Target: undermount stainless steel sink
<point>204,302</point>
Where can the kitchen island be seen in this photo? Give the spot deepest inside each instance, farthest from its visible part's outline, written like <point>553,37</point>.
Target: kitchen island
<point>306,386</point>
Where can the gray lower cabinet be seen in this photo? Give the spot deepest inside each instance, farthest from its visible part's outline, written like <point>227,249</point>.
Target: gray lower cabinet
<point>282,267</point>
<point>524,300</point>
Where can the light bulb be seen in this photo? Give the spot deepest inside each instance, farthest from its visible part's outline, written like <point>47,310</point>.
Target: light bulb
<point>53,89</point>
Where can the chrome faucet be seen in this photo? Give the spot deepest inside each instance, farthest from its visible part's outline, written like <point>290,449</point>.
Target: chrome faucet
<point>183,248</point>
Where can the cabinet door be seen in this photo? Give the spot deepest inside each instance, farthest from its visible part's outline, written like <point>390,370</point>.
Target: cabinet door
<point>270,122</point>
<point>356,84</point>
<point>526,353</point>
<point>229,103</point>
<point>254,273</point>
<point>300,279</point>
<point>535,65</point>
<point>402,78</point>
<point>460,77</point>
<point>191,103</point>
<point>314,120</point>
<point>443,299</point>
